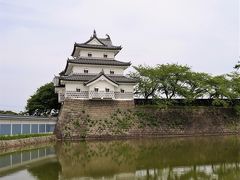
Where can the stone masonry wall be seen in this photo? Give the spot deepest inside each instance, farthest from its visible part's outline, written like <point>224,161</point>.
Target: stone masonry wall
<point>76,115</point>
<point>80,119</point>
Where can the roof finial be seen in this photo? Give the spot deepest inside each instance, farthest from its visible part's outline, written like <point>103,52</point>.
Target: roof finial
<point>108,37</point>
<point>94,33</point>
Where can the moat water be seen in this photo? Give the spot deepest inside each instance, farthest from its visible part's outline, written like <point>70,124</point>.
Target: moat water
<point>165,158</point>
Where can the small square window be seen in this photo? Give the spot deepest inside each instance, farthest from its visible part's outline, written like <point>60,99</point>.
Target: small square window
<point>89,54</point>
<point>111,72</point>
<point>78,90</point>
<point>122,91</point>
<point>85,71</point>
<point>107,89</point>
<point>105,55</point>
<point>96,89</point>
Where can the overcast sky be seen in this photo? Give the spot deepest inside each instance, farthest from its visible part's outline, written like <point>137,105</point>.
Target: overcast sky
<point>37,36</point>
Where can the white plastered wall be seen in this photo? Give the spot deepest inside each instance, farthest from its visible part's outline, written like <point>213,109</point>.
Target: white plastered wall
<point>101,85</point>
<point>97,53</point>
<point>125,87</point>
<point>59,89</point>
<point>95,42</point>
<point>74,86</point>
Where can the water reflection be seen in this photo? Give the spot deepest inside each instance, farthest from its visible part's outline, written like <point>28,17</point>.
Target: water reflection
<point>12,160</point>
<point>178,158</point>
<point>181,158</point>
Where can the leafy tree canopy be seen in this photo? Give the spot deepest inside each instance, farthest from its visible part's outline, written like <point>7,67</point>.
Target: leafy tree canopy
<point>171,81</point>
<point>147,84</point>
<point>164,80</point>
<point>43,100</point>
<point>196,85</point>
<point>8,112</point>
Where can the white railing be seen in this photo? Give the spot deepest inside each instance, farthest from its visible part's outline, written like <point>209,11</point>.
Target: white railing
<point>76,95</point>
<point>101,95</point>
<point>95,95</point>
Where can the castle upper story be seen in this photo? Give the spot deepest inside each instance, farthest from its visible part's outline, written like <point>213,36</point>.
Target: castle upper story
<point>96,48</point>
<point>95,55</point>
<point>94,73</point>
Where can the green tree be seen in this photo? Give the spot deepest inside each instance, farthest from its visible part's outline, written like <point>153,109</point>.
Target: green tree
<point>196,85</point>
<point>171,79</point>
<point>8,112</point>
<point>147,84</point>
<point>235,81</point>
<point>234,85</point>
<point>44,100</point>
<point>219,89</point>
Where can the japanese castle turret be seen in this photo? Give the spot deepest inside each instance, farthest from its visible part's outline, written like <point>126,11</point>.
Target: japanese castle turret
<point>94,73</point>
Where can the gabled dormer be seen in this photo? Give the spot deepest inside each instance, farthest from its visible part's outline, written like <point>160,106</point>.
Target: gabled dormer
<point>96,48</point>
<point>94,40</point>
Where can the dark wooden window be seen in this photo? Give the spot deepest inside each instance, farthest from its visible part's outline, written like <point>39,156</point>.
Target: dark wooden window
<point>111,72</point>
<point>96,89</point>
<point>122,91</point>
<point>89,54</point>
<point>107,89</point>
<point>105,55</point>
<point>78,90</point>
<point>85,71</point>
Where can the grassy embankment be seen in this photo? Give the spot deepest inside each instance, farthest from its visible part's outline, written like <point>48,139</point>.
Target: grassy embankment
<point>22,136</point>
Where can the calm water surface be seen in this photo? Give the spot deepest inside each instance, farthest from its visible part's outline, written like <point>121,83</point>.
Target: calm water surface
<point>170,158</point>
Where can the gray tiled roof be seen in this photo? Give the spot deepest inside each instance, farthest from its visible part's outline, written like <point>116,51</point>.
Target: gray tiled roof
<point>86,78</point>
<point>98,62</point>
<point>111,47</point>
<point>106,41</point>
<point>106,44</point>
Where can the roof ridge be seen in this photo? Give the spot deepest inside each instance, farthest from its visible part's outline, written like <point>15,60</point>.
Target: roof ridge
<point>90,58</point>
<point>79,44</point>
<point>97,58</point>
<point>95,61</point>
